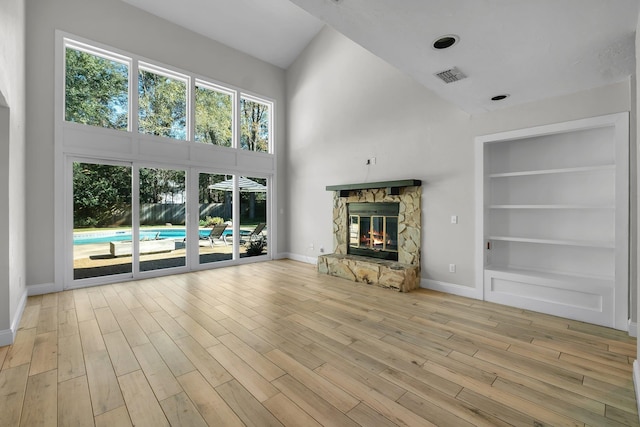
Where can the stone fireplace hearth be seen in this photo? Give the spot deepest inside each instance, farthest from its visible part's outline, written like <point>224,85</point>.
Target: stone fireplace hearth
<point>403,274</point>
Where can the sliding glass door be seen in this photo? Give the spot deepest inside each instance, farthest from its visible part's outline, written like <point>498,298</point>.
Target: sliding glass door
<point>162,219</point>
<point>130,220</point>
<point>101,219</point>
<point>215,194</point>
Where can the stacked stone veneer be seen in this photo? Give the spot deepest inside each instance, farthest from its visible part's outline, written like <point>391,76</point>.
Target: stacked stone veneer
<point>403,275</point>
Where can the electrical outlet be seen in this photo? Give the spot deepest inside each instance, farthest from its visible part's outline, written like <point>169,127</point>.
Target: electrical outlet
<point>454,219</point>
<point>452,268</point>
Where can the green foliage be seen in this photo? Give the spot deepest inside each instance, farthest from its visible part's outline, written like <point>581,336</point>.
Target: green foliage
<point>214,114</point>
<point>255,248</point>
<point>101,195</point>
<point>208,195</point>
<point>162,105</point>
<point>161,185</point>
<point>96,90</point>
<point>254,126</point>
<point>210,222</point>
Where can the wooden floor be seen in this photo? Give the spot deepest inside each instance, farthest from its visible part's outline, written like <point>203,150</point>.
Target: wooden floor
<point>275,343</point>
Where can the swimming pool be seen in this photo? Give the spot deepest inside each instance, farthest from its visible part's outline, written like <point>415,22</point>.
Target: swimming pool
<point>90,237</point>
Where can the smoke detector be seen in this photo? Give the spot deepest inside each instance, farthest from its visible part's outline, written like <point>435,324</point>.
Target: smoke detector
<point>451,75</point>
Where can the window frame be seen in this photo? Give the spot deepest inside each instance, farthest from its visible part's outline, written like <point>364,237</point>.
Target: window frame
<point>170,74</point>
<point>75,44</point>
<point>104,145</point>
<point>197,82</point>
<point>192,80</point>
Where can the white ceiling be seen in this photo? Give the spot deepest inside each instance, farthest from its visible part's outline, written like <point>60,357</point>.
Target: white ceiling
<point>530,49</point>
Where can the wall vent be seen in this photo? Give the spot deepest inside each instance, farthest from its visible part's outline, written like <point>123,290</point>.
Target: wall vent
<point>451,75</point>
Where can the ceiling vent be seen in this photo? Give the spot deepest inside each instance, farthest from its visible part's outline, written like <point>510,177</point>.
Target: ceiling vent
<point>451,75</point>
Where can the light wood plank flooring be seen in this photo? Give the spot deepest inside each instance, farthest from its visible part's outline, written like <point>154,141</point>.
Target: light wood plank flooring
<point>275,343</point>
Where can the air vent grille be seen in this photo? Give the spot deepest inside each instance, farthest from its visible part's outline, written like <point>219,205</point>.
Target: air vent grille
<point>451,75</point>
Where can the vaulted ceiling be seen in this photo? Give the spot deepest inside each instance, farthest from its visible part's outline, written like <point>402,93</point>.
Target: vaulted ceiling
<point>528,49</point>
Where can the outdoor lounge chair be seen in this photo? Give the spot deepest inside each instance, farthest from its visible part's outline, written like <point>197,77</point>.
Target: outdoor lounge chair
<point>255,235</point>
<point>216,234</point>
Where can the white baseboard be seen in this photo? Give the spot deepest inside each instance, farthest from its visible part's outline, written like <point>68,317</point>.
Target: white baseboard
<point>301,258</point>
<point>636,381</point>
<point>451,288</point>
<point>8,336</point>
<point>41,289</point>
<point>633,329</point>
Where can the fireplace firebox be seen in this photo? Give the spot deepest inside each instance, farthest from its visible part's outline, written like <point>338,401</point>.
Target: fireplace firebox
<point>373,230</point>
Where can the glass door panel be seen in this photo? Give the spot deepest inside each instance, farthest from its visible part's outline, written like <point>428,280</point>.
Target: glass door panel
<point>101,220</point>
<point>253,216</point>
<point>215,215</point>
<point>162,234</point>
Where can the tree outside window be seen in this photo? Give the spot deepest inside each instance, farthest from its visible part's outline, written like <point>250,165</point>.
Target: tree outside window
<point>96,90</point>
<point>255,124</point>
<point>214,116</point>
<point>162,105</point>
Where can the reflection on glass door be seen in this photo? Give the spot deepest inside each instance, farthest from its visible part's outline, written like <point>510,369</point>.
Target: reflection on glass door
<point>101,220</point>
<point>216,226</point>
<point>162,219</point>
<point>253,216</point>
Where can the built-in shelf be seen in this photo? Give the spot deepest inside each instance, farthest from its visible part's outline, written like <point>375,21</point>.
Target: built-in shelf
<point>579,279</point>
<point>577,207</point>
<point>555,202</point>
<point>565,242</point>
<point>553,171</point>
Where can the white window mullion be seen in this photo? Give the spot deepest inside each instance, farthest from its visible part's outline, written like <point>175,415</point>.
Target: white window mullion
<point>133,97</point>
<point>191,110</point>
<point>135,219</point>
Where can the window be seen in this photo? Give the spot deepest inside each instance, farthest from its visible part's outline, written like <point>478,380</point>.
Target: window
<point>214,115</point>
<point>99,85</point>
<point>162,104</point>
<point>101,219</point>
<point>163,218</point>
<point>215,194</point>
<point>160,197</point>
<point>255,123</point>
<point>96,90</point>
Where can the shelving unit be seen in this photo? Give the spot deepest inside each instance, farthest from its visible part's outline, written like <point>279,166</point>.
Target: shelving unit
<point>553,219</point>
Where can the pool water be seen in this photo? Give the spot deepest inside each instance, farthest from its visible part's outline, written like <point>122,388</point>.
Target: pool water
<point>147,233</point>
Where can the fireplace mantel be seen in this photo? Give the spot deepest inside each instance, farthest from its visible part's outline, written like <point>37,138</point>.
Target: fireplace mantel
<point>404,274</point>
<point>393,187</point>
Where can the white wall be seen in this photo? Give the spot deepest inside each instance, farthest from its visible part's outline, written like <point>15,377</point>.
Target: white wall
<point>116,24</point>
<point>346,105</point>
<point>12,166</point>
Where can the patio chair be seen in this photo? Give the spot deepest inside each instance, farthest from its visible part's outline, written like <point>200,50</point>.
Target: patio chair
<point>216,234</point>
<point>255,235</point>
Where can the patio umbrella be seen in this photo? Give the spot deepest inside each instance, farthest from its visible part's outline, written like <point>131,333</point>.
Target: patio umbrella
<point>246,186</point>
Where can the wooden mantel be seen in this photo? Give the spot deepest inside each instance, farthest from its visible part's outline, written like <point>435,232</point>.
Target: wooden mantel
<point>392,186</point>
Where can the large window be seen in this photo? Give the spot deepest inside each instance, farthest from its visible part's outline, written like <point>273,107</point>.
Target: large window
<point>101,220</point>
<point>96,90</point>
<point>214,115</point>
<point>255,121</point>
<point>162,103</point>
<point>164,171</point>
<point>170,103</point>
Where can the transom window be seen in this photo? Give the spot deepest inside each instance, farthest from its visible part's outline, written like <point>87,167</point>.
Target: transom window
<point>172,104</point>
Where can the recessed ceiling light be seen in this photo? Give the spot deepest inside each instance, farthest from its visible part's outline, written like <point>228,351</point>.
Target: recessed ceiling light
<point>445,41</point>
<point>499,97</point>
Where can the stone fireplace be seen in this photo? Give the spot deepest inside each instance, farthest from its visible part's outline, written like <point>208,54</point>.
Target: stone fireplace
<point>377,234</point>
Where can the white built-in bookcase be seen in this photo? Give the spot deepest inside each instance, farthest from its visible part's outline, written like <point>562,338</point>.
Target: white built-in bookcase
<point>553,217</point>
